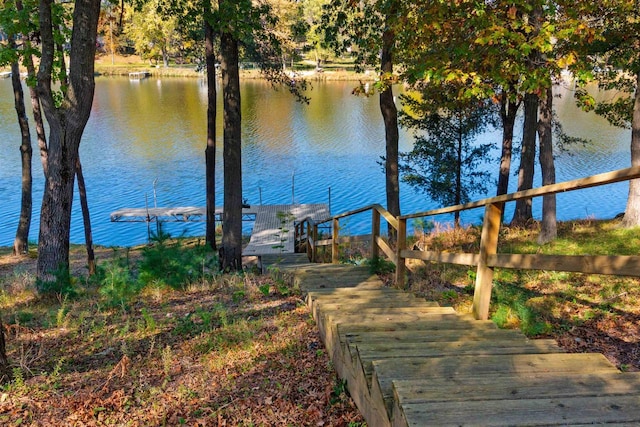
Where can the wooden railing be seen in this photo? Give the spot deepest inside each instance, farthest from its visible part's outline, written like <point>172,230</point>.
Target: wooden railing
<point>307,234</point>
<point>487,259</point>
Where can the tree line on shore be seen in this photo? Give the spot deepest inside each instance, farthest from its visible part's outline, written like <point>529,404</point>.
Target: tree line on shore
<point>468,65</point>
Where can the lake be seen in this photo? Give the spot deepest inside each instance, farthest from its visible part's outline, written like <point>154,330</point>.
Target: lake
<point>152,130</point>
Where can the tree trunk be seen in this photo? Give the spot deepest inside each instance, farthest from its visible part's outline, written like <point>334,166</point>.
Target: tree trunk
<point>549,229</point>
<point>231,253</point>
<point>5,372</point>
<point>508,112</point>
<point>632,212</point>
<point>21,241</point>
<point>523,212</point>
<point>165,58</point>
<point>210,151</point>
<point>390,117</point>
<point>66,124</point>
<point>86,217</point>
<point>35,100</point>
<point>458,189</point>
<point>121,17</point>
<point>37,113</point>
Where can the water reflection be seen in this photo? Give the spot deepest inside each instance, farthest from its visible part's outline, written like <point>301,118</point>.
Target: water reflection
<point>140,131</point>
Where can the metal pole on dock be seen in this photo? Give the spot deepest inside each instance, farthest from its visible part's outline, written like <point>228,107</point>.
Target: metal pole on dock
<point>155,204</point>
<point>146,205</point>
<point>293,186</point>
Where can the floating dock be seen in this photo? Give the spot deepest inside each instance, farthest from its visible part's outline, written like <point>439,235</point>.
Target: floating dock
<point>139,75</point>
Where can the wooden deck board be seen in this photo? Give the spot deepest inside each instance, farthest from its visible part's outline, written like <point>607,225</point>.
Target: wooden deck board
<point>537,385</point>
<point>408,362</point>
<point>532,412</point>
<point>274,232</point>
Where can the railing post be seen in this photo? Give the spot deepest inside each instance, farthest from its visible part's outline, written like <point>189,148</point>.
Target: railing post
<point>375,233</point>
<point>488,246</point>
<point>401,244</point>
<point>314,247</point>
<point>335,235</point>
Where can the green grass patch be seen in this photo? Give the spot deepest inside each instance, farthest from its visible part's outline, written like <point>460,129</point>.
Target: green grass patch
<point>540,303</point>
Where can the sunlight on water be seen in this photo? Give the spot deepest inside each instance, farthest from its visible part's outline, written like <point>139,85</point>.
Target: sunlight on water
<point>149,130</point>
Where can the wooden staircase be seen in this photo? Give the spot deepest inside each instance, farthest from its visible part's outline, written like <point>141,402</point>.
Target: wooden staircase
<point>409,362</point>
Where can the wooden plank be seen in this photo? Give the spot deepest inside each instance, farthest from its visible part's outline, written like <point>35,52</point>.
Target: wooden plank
<point>405,314</point>
<point>333,310</point>
<point>360,295</point>
<point>484,273</point>
<point>348,292</point>
<point>337,303</point>
<point>323,268</point>
<point>398,260</point>
<point>308,286</point>
<point>591,264</point>
<point>350,370</point>
<point>355,305</point>
<point>392,220</point>
<point>576,184</point>
<point>555,411</point>
<point>384,246</point>
<point>443,322</point>
<point>437,335</point>
<point>535,385</point>
<point>395,350</point>
<point>375,233</point>
<point>444,257</point>
<point>472,366</point>
<point>335,235</point>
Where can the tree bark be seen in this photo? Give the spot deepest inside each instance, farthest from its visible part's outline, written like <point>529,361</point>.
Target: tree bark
<point>523,212</point>
<point>86,217</point>
<point>508,113</point>
<point>632,211</point>
<point>5,372</point>
<point>458,197</point>
<point>549,228</point>
<point>35,100</point>
<point>37,112</point>
<point>21,241</point>
<point>66,125</point>
<point>231,253</point>
<point>390,118</point>
<point>210,151</point>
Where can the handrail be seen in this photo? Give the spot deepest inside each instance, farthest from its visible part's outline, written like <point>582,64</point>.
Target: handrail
<point>576,184</point>
<point>487,259</point>
<point>350,213</point>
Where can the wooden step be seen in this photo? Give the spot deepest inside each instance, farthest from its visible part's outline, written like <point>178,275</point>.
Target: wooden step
<point>562,411</point>
<point>446,322</point>
<point>385,371</point>
<point>534,385</point>
<point>431,335</point>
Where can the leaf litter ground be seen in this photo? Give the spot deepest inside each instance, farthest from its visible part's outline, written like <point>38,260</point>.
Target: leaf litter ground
<point>217,354</point>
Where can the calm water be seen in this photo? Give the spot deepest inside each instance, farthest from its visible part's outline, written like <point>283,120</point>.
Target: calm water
<point>143,131</point>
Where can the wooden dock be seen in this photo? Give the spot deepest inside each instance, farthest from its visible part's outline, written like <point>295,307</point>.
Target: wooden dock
<point>273,229</point>
<point>410,362</point>
<point>139,75</point>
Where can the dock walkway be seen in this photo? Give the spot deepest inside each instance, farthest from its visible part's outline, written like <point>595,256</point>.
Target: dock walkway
<point>410,362</point>
<point>273,229</point>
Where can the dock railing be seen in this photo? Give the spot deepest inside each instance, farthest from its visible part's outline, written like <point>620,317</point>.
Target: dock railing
<point>487,259</point>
